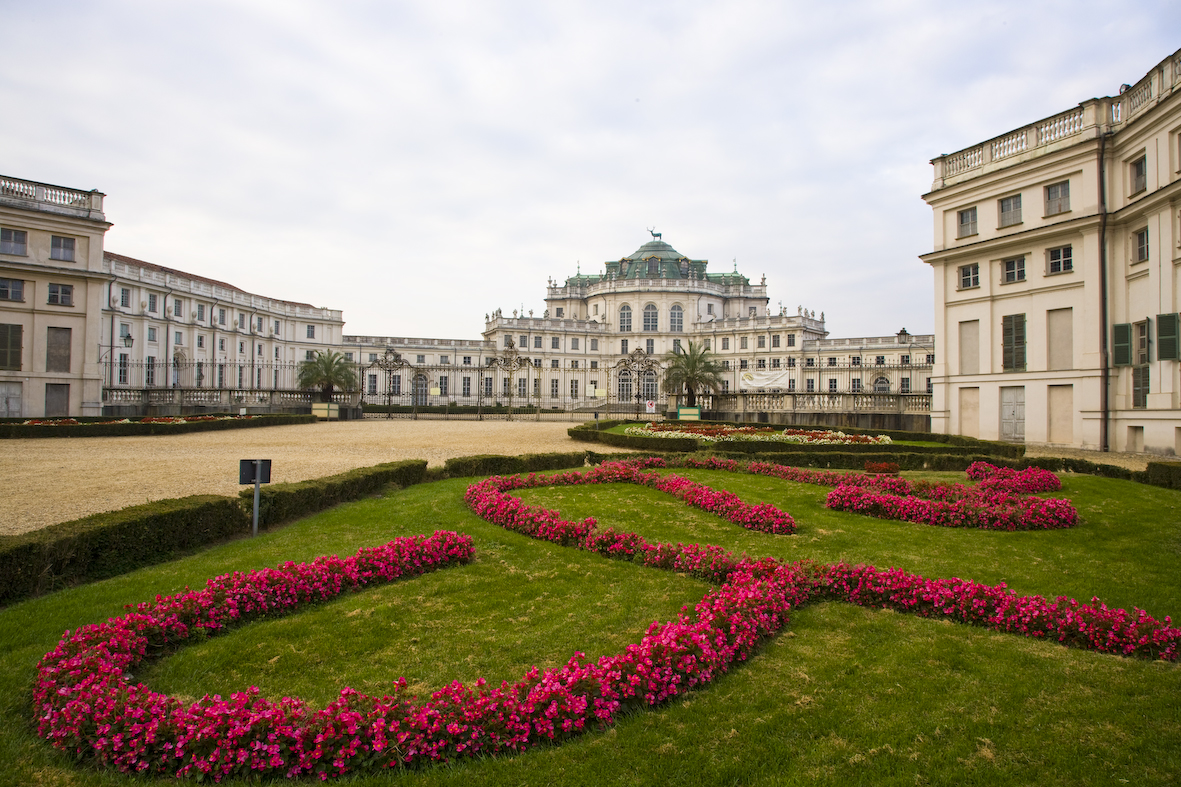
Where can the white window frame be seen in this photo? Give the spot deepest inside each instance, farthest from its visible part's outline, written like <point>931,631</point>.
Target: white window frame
<point>969,277</point>
<point>966,223</point>
<point>1059,259</point>
<point>1013,270</point>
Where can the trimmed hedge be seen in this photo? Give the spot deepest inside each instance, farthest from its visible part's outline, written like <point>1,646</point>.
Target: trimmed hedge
<point>494,464</point>
<point>114,542</point>
<point>589,434</point>
<point>1166,474</point>
<point>1007,450</point>
<point>87,428</point>
<point>279,503</point>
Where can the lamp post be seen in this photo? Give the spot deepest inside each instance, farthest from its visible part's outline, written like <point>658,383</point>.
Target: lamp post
<point>389,362</point>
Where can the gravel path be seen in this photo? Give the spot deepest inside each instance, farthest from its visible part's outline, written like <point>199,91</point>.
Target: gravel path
<point>55,480</point>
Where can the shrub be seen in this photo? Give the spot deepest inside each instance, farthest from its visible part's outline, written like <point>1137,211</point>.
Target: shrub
<point>280,503</point>
<point>494,464</point>
<point>114,542</point>
<point>889,468</point>
<point>147,427</point>
<point>1166,474</point>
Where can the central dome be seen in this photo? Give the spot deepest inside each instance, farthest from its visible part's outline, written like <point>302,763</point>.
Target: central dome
<point>658,249</point>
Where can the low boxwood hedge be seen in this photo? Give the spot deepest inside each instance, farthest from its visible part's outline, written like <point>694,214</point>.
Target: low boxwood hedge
<point>114,542</point>
<point>1006,450</point>
<point>494,464</point>
<point>590,434</point>
<point>89,427</point>
<point>279,503</point>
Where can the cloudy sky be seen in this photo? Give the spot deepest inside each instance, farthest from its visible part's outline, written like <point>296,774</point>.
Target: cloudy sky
<point>419,164</point>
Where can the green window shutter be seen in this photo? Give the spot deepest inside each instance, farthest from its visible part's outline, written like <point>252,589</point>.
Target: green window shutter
<point>1019,342</point>
<point>1122,334</point>
<point>1168,341</point>
<point>1013,342</point>
<point>11,337</point>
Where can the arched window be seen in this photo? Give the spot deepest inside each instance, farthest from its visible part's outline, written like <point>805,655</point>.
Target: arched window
<point>625,386</point>
<point>676,319</point>
<point>881,385</point>
<point>648,384</point>
<point>650,320</point>
<point>625,318</point>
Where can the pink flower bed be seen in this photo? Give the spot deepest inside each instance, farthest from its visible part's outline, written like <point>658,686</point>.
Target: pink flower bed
<point>87,705</point>
<point>492,494</point>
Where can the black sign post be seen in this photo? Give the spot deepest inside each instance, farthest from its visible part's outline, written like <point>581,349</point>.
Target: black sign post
<point>254,471</point>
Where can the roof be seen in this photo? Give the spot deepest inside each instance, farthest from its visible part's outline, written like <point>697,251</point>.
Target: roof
<point>154,267</point>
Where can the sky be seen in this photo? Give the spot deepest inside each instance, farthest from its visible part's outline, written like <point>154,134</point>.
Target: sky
<point>418,165</point>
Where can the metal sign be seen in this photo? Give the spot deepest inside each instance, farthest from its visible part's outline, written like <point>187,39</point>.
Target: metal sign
<point>650,405</point>
<point>246,471</point>
<point>254,471</point>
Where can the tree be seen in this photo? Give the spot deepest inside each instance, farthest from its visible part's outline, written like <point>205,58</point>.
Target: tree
<point>327,371</point>
<point>691,369</point>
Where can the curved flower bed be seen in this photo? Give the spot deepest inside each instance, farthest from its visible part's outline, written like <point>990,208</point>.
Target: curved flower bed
<point>86,703</point>
<point>711,433</point>
<point>491,495</point>
<point>152,419</point>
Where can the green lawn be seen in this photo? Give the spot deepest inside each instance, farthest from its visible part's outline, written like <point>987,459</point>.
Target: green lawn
<point>844,696</point>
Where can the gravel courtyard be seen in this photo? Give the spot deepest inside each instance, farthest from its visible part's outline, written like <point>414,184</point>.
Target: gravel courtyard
<point>55,480</point>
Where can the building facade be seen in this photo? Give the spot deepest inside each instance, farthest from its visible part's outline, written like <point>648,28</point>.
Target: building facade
<point>52,287</point>
<point>1056,253</point>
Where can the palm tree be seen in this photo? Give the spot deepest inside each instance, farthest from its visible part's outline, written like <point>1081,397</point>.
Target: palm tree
<point>327,371</point>
<point>691,369</point>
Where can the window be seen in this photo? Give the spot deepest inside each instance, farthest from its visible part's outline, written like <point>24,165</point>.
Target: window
<point>650,318</point>
<point>676,345</point>
<point>178,307</point>
<point>276,331</point>
<point>466,386</point>
<point>725,386</point>
<point>1140,239</point>
<point>676,319</point>
<point>1058,198</point>
<point>201,314</point>
<point>537,363</point>
<point>554,363</point>
<point>1140,381</point>
<point>221,345</point>
<point>904,360</point>
<point>372,384</point>
<point>594,365</point>
<point>811,385</point>
<point>708,344</point>
<point>791,384</point>
<point>594,345</point>
<point>444,359</point>
<point>653,268</point>
<point>574,389</point>
<point>13,242</point>
<point>881,385</point>
<point>832,361</point>
<point>791,363</point>
<point>444,382</point>
<point>625,318</point>
<point>650,347</point>
<point>810,362</point>
<point>537,387</point>
<point>508,341</point>
<point>467,360</point>
<point>199,338</point>
<point>879,360</point>
<point>930,386</point>
<point>774,363</point>
<point>257,322</point>
<point>904,385</point>
<point>523,342</point>
<point>969,276</point>
<point>1138,170</point>
<point>152,302</point>
<point>743,343</point>
<point>176,337</point>
<point>1059,260</point>
<point>12,290</point>
<point>555,343</point>
<point>775,340</point>
<point>856,384</point>
<point>242,350</point>
<point>726,343</point>
<point>487,386</point>
<point>930,358</point>
<point>573,344</point>
<point>124,362</point>
<point>311,332</point>
<point>726,364</point>
<point>559,312</point>
<point>420,359</point>
<point>623,346</point>
<point>201,341</point>
<point>753,311</point>
<point>150,371</point>
<point>1014,269</point>
<point>1013,343</point>
<point>396,385</point>
<point>742,364</point>
<point>57,350</point>
<point>967,223</point>
<point>151,333</point>
<point>1140,331</point>
<point>61,248</point>
<point>1168,334</point>
<point>855,360</point>
<point>709,308</point>
<point>791,340</point>
<point>574,364</point>
<point>124,297</point>
<point>832,385</point>
<point>762,342</point>
<point>61,294</point>
<point>761,363</point>
<point>241,322</point>
<point>309,355</point>
<point>522,386</point>
<point>258,351</point>
<point>221,313</point>
<point>1010,210</point>
<point>553,387</point>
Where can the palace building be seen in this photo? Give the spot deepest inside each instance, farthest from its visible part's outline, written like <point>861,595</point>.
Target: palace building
<point>84,331</point>
<point>1056,260</point>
